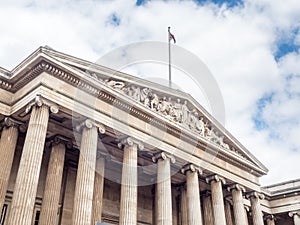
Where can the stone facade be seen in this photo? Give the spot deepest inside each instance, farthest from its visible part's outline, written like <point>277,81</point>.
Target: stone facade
<point>81,144</point>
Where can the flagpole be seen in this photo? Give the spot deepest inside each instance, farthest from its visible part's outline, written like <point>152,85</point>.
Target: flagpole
<point>169,40</point>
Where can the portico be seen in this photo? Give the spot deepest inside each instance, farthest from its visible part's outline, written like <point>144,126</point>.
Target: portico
<point>112,140</point>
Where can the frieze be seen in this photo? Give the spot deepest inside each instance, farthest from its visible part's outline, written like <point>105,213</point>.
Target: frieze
<point>177,111</point>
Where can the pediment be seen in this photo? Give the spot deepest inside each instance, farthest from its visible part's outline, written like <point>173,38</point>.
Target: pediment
<point>177,107</point>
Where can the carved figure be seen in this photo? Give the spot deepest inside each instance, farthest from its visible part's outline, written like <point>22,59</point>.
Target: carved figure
<point>211,135</point>
<point>193,117</point>
<point>177,111</point>
<point>154,102</point>
<point>200,126</point>
<point>184,113</point>
<point>170,109</point>
<point>222,143</point>
<point>115,84</point>
<point>163,106</point>
<point>136,93</point>
<point>145,94</point>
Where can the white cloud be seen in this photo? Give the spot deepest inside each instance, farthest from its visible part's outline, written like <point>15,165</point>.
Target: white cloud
<point>237,44</point>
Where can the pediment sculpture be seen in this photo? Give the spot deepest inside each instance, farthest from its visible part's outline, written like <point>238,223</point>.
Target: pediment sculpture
<point>176,111</point>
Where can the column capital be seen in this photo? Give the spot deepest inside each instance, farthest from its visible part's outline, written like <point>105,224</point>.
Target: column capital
<point>255,194</point>
<point>59,139</point>
<point>293,213</point>
<point>40,101</point>
<point>130,141</point>
<point>236,187</point>
<point>247,208</point>
<point>229,200</point>
<point>10,122</point>
<point>163,156</point>
<point>191,167</point>
<point>269,217</point>
<point>215,178</point>
<point>88,123</point>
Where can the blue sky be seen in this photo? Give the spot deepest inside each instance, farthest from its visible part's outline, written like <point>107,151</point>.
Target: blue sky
<point>251,47</point>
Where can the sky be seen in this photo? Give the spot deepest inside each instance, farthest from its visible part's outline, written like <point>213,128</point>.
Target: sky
<point>251,47</point>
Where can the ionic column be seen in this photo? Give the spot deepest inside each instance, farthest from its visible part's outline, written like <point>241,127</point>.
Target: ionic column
<point>246,209</point>
<point>238,203</point>
<point>192,193</point>
<point>228,213</point>
<point>98,190</point>
<point>53,181</point>
<point>183,207</point>
<point>296,217</point>
<point>257,214</point>
<point>270,219</point>
<point>217,199</point>
<point>163,190</point>
<point>84,189</point>
<point>24,195</point>
<point>8,142</point>
<point>207,209</point>
<point>128,202</point>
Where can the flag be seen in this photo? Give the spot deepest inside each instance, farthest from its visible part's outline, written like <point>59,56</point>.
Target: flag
<point>172,37</point>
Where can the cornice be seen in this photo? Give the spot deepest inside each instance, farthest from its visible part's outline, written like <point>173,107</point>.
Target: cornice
<point>137,110</point>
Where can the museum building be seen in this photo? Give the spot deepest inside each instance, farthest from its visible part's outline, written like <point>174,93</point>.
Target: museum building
<point>83,144</point>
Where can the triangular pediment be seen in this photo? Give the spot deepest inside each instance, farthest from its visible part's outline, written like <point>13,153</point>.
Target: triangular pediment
<point>177,107</point>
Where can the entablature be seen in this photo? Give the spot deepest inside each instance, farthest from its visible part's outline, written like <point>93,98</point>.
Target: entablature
<point>181,120</point>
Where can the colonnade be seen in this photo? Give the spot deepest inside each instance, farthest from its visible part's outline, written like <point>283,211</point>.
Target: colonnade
<point>88,200</point>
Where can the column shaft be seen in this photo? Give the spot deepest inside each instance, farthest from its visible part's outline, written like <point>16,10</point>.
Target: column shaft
<point>296,218</point>
<point>164,196</point>
<point>24,195</point>
<point>270,222</point>
<point>128,203</point>
<point>228,214</point>
<point>256,211</point>
<point>218,203</point>
<point>8,144</point>
<point>183,207</point>
<point>84,189</point>
<point>207,210</point>
<point>238,206</point>
<point>193,198</point>
<point>98,191</point>
<point>49,212</point>
<point>67,210</point>
<point>246,217</point>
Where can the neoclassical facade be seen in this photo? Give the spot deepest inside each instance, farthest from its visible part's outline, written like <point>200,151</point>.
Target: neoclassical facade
<point>82,144</point>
